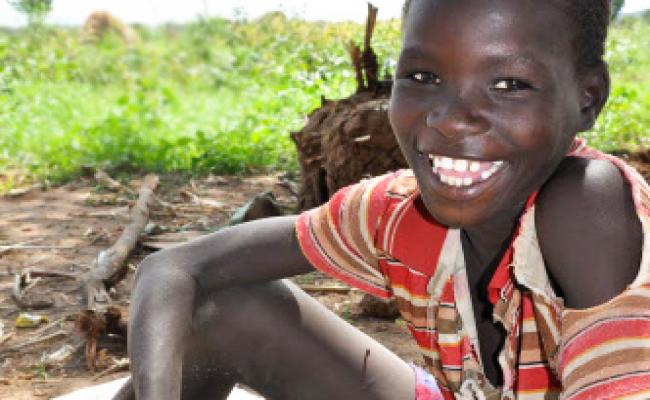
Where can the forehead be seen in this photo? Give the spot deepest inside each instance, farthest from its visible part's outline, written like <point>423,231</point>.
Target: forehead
<point>535,26</point>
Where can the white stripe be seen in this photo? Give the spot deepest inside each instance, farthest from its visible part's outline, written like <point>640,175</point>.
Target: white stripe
<point>363,217</point>
<point>448,338</point>
<point>393,222</point>
<point>529,326</point>
<point>408,296</point>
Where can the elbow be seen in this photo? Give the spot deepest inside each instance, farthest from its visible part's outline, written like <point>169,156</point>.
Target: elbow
<point>158,270</point>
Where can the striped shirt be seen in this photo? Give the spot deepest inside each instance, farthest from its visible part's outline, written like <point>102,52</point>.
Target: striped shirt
<point>371,235</point>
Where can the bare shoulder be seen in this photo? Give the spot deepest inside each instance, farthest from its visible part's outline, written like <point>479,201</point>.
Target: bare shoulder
<point>589,232</point>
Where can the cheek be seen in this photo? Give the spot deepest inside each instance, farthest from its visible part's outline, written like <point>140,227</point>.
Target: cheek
<point>407,115</point>
<point>535,130</point>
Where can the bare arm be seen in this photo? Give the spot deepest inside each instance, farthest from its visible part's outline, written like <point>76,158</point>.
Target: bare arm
<point>167,284</point>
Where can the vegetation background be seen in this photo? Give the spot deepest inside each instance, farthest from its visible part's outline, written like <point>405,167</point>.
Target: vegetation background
<point>218,96</point>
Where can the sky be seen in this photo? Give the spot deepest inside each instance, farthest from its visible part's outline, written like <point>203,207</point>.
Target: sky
<point>151,12</point>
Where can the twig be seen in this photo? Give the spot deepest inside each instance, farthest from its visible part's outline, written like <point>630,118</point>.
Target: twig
<point>6,337</point>
<point>326,289</point>
<point>18,294</point>
<point>51,325</point>
<point>201,202</point>
<point>119,366</point>
<point>104,179</point>
<point>33,342</point>
<point>4,249</point>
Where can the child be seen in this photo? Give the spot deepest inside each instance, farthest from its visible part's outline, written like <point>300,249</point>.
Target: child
<point>515,252</point>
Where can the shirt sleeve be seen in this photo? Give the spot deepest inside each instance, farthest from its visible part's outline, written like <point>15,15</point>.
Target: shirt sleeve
<point>338,238</point>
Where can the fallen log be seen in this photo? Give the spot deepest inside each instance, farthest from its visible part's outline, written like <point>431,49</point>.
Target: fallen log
<point>109,266</point>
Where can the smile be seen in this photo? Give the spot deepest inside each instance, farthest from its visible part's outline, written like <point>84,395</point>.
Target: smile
<point>458,172</point>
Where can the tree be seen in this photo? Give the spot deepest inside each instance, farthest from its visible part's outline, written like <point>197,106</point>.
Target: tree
<point>617,5</point>
<point>35,10</point>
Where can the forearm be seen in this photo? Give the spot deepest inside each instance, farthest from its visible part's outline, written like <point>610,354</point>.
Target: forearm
<point>160,322</point>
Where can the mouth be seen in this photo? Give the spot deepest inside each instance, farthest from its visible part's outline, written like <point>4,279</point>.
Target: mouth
<point>463,173</point>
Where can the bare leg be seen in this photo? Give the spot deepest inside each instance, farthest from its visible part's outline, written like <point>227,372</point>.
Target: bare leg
<point>287,346</point>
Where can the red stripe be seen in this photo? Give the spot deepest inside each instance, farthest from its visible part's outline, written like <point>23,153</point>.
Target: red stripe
<point>414,283</point>
<point>535,378</point>
<point>424,339</point>
<point>447,295</point>
<point>418,239</point>
<point>604,332</point>
<point>614,389</point>
<point>313,254</point>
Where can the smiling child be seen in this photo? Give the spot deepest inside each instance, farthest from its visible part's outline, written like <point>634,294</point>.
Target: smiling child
<point>516,254</point>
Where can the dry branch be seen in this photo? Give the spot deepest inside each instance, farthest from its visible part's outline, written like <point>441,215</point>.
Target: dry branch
<point>370,63</point>
<point>109,267</point>
<point>326,289</point>
<point>119,366</point>
<point>22,284</point>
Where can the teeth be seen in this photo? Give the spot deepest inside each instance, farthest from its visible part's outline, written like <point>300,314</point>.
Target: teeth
<point>461,165</point>
<point>446,163</point>
<point>440,164</point>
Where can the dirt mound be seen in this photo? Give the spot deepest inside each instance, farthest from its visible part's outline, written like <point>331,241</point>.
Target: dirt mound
<point>343,142</point>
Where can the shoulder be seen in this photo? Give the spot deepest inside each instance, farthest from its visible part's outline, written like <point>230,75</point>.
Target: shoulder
<point>589,232</point>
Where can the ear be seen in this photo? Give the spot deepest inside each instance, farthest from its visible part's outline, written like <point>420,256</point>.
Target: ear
<point>594,86</point>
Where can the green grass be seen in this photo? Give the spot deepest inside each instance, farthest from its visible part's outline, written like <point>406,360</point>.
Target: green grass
<point>218,96</point>
<point>625,122</point>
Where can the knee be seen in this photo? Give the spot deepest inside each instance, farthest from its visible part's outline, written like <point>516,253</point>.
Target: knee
<point>249,307</point>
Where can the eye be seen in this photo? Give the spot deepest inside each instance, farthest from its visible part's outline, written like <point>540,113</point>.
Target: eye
<point>427,78</point>
<point>510,85</point>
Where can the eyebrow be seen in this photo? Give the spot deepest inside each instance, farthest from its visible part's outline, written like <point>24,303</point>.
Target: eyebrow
<point>415,53</point>
<point>498,57</point>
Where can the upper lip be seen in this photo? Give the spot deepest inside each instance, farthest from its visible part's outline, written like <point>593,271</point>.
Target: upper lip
<point>463,157</point>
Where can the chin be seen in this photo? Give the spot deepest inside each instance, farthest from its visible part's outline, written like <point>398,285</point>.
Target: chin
<point>458,216</point>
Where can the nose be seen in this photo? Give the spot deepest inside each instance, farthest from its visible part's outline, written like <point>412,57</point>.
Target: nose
<point>456,117</point>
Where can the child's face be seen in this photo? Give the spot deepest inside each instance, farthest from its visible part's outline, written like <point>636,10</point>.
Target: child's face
<point>491,85</point>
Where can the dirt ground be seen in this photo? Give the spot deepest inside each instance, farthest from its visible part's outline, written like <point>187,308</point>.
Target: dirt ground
<point>63,229</point>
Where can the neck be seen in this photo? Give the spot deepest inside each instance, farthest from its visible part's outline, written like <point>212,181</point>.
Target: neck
<point>487,240</point>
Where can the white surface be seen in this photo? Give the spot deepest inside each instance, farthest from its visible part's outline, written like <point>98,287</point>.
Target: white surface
<point>74,12</point>
<point>106,391</point>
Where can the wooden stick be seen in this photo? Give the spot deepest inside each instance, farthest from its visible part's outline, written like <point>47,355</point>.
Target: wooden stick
<point>4,249</point>
<point>109,266</point>
<point>326,289</point>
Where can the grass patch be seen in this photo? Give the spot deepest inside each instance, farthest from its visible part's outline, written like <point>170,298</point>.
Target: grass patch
<point>219,96</point>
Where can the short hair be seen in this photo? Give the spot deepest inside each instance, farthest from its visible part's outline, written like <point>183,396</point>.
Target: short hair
<point>591,20</point>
